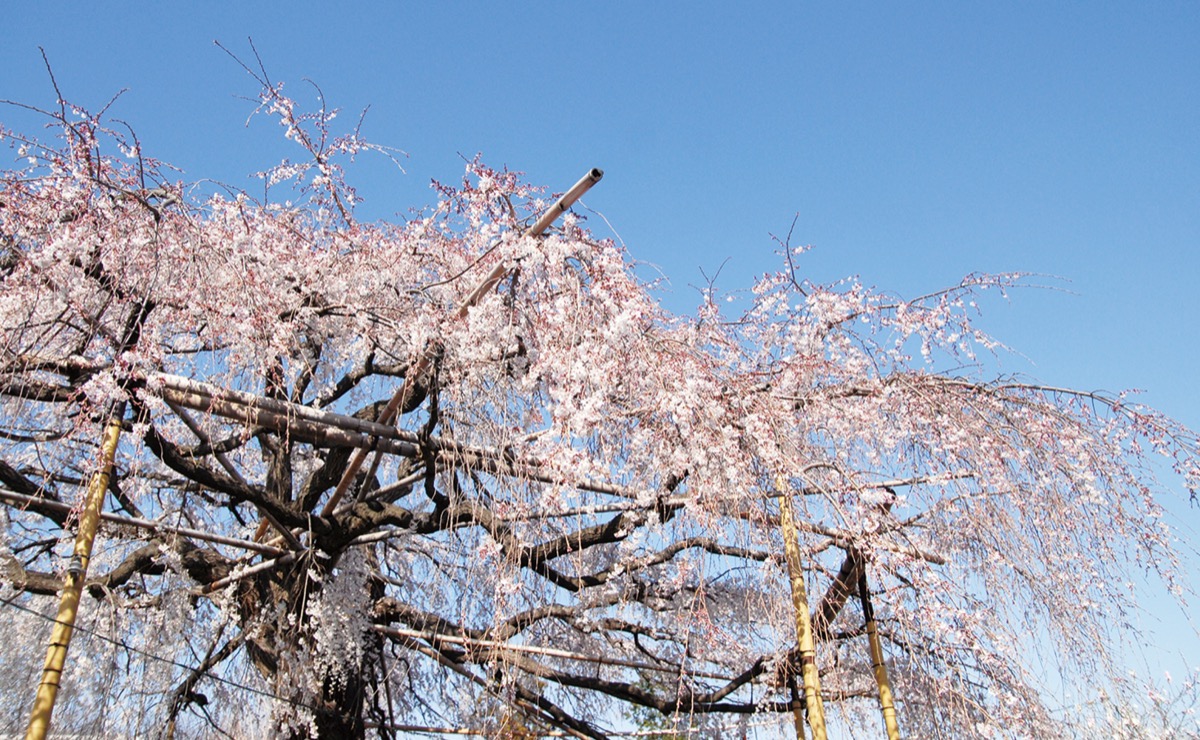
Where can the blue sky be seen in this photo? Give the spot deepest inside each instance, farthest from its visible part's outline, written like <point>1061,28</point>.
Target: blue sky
<point>918,142</point>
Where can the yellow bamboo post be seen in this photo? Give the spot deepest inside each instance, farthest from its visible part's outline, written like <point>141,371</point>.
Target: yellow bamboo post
<point>886,702</point>
<point>804,632</point>
<point>68,606</point>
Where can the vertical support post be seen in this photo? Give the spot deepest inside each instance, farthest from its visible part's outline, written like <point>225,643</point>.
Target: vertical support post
<point>804,631</point>
<point>68,606</point>
<point>797,709</point>
<point>886,703</point>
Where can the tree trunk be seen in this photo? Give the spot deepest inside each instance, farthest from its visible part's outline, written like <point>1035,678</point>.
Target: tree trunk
<point>339,709</point>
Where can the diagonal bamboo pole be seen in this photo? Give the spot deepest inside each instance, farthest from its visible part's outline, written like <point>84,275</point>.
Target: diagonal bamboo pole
<point>886,703</point>
<point>68,606</point>
<point>804,631</point>
<point>426,360</point>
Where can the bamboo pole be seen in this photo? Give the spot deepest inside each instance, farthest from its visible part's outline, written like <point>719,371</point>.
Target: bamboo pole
<point>264,566</point>
<point>560,206</point>
<point>327,431</point>
<point>886,703</point>
<point>804,631</point>
<point>221,401</point>
<point>426,360</point>
<point>325,427</point>
<point>499,646</point>
<point>68,606</point>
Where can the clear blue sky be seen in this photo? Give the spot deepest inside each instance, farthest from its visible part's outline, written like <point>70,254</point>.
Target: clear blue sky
<point>917,141</point>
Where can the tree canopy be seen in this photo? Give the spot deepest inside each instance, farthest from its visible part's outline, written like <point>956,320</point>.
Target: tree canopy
<point>449,472</point>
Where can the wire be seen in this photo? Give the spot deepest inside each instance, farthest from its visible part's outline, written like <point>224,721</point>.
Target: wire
<point>152,656</point>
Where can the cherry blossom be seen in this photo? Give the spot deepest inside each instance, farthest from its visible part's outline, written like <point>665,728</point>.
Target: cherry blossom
<point>573,517</point>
